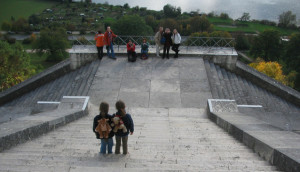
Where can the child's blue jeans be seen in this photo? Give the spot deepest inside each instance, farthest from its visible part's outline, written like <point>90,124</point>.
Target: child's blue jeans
<point>106,143</point>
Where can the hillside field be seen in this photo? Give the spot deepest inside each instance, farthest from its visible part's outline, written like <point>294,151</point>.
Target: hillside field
<point>22,8</point>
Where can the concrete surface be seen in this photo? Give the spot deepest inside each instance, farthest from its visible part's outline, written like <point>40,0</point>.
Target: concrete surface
<point>279,147</point>
<point>172,130</point>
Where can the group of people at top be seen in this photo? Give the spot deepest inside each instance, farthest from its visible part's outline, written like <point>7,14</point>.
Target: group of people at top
<point>163,40</point>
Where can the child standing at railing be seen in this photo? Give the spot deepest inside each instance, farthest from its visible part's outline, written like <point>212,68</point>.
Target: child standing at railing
<point>144,49</point>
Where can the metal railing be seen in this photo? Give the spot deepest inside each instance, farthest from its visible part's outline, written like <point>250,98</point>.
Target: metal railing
<point>186,41</point>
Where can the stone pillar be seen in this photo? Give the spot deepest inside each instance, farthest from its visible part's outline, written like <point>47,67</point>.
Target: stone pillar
<point>80,59</point>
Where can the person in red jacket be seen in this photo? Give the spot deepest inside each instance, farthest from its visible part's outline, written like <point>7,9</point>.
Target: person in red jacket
<point>99,38</point>
<point>131,51</point>
<point>109,38</point>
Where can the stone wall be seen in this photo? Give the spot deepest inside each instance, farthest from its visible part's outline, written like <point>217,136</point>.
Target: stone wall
<point>267,83</point>
<point>36,81</point>
<point>80,59</point>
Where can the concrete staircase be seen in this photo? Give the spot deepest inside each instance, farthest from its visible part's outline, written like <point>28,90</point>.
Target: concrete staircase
<point>165,141</point>
<point>75,83</point>
<point>228,85</point>
<point>170,135</point>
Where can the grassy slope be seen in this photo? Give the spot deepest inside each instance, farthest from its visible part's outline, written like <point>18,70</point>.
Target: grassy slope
<point>40,62</point>
<point>22,8</point>
<point>252,27</point>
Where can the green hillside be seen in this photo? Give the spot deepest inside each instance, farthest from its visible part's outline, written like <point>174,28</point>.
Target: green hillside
<point>22,8</point>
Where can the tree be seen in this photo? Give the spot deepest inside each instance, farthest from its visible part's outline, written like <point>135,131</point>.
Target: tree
<point>34,19</point>
<point>292,53</point>
<point>224,16</point>
<point>287,19</point>
<point>150,20</point>
<point>54,41</point>
<point>292,57</point>
<point>267,45</point>
<point>21,25</point>
<point>126,6</point>
<point>200,24</point>
<point>14,65</point>
<point>245,17</point>
<point>171,11</point>
<point>169,23</point>
<point>274,70</point>
<point>6,26</point>
<point>242,42</point>
<point>132,25</point>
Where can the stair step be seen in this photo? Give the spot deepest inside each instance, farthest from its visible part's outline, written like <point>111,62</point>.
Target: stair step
<point>210,78</point>
<point>222,83</point>
<point>227,84</point>
<point>216,80</point>
<point>91,78</point>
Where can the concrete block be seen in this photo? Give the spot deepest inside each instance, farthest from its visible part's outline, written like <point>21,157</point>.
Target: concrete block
<point>165,73</point>
<point>287,159</point>
<point>44,107</point>
<point>222,105</point>
<point>107,84</point>
<point>195,100</point>
<point>135,85</point>
<point>135,99</point>
<point>164,100</point>
<point>195,73</point>
<point>165,85</point>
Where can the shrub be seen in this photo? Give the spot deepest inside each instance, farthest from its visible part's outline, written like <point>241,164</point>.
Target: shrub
<point>242,42</point>
<point>224,16</point>
<point>54,41</point>
<point>14,65</point>
<point>9,39</point>
<point>26,41</point>
<point>274,70</point>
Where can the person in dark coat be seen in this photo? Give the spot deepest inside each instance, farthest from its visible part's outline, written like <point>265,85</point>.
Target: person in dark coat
<point>128,122</point>
<point>168,42</point>
<point>106,143</point>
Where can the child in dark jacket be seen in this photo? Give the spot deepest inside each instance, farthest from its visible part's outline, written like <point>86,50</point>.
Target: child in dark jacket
<point>167,35</point>
<point>128,122</point>
<point>105,142</point>
<point>144,49</point>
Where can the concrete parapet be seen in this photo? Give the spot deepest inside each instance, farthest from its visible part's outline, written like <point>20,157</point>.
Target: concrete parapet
<point>26,128</point>
<point>35,82</point>
<point>226,61</point>
<point>79,59</point>
<point>280,148</point>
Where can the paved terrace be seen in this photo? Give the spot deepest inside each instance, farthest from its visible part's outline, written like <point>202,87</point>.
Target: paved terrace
<point>167,100</point>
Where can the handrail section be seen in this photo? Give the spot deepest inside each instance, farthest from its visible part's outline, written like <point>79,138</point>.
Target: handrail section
<point>187,41</point>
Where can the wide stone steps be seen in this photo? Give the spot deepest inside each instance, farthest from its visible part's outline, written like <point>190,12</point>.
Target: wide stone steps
<point>76,83</point>
<point>227,85</point>
<point>165,143</point>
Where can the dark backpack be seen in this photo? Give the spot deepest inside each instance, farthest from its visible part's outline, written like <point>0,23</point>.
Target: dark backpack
<point>132,58</point>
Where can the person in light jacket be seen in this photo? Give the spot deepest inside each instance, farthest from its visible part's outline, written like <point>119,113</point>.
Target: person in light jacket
<point>157,38</point>
<point>176,42</point>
